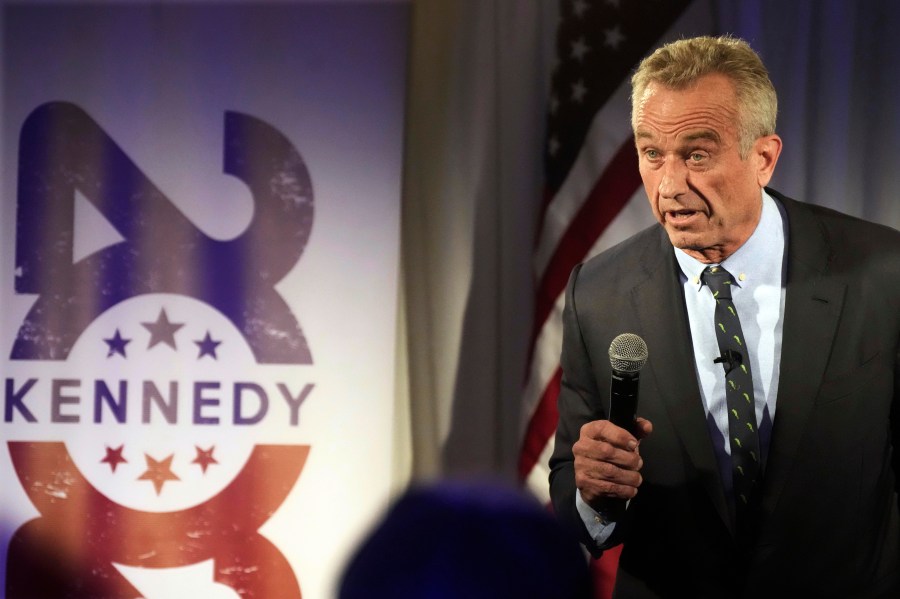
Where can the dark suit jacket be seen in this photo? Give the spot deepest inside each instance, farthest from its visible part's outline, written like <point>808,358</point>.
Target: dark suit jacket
<point>828,521</point>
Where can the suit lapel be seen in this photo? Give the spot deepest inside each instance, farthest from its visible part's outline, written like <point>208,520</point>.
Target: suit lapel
<point>812,309</point>
<point>659,304</point>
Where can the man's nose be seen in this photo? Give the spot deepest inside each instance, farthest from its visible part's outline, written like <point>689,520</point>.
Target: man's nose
<point>674,178</point>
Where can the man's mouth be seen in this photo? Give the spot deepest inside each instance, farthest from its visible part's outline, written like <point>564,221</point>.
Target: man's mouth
<point>679,217</point>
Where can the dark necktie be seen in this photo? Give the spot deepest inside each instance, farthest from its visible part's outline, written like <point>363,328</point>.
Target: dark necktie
<point>735,359</point>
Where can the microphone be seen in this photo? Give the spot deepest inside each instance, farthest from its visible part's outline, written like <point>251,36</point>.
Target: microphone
<point>627,355</point>
<point>729,360</point>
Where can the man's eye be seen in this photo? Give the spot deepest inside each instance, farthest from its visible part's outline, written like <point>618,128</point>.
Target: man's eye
<point>652,154</point>
<point>697,157</point>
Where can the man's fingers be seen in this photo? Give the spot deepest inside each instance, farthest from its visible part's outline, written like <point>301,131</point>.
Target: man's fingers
<point>603,451</point>
<point>592,469</point>
<point>604,430</point>
<point>644,427</point>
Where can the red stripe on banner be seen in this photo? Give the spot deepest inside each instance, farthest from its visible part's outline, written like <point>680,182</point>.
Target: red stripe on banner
<point>607,198</point>
<point>541,426</point>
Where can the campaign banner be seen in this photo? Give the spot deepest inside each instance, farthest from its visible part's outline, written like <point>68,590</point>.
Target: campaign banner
<point>199,248</point>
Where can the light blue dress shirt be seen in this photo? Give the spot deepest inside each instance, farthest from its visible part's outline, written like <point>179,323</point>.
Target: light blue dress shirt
<point>758,268</point>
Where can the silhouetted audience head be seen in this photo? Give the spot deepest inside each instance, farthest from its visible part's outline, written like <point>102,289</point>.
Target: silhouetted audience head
<point>467,540</point>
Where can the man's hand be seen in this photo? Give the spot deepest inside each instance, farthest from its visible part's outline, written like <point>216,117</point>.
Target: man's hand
<point>607,461</point>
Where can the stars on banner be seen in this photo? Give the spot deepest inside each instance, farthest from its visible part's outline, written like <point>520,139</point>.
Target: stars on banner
<point>207,346</point>
<point>163,331</point>
<point>159,472</point>
<point>116,344</point>
<point>204,457</point>
<point>114,457</point>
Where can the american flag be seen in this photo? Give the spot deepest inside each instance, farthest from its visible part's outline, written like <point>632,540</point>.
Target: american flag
<point>593,195</point>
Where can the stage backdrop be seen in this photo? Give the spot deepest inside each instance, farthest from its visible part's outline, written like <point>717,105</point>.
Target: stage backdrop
<point>199,232</point>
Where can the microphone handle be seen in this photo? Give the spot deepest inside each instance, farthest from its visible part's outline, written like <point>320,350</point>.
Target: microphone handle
<point>623,398</point>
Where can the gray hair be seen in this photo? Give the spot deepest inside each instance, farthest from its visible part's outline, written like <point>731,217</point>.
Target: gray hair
<point>679,64</point>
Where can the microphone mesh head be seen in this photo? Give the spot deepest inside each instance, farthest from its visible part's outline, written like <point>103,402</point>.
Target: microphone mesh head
<point>627,353</point>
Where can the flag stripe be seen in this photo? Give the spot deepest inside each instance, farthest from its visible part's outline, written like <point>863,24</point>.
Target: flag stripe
<point>611,192</point>
<point>609,129</point>
<point>544,362</point>
<point>541,427</point>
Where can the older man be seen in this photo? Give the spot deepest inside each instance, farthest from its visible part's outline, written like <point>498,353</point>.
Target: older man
<point>762,464</point>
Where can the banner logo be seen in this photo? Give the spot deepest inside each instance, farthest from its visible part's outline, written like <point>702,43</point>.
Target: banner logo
<point>158,373</point>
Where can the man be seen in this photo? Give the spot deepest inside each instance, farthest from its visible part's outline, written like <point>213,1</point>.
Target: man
<point>780,483</point>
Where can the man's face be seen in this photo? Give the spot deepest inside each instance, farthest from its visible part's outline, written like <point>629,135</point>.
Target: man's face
<point>700,189</point>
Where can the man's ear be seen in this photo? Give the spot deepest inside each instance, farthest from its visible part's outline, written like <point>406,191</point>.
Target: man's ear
<point>765,151</point>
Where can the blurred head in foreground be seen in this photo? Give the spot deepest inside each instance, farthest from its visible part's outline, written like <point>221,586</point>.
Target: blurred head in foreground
<point>467,540</point>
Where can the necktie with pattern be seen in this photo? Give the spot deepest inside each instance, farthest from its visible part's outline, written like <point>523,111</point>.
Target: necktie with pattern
<point>735,358</point>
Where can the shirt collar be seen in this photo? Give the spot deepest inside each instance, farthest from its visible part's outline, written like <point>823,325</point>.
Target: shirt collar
<point>757,261</point>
